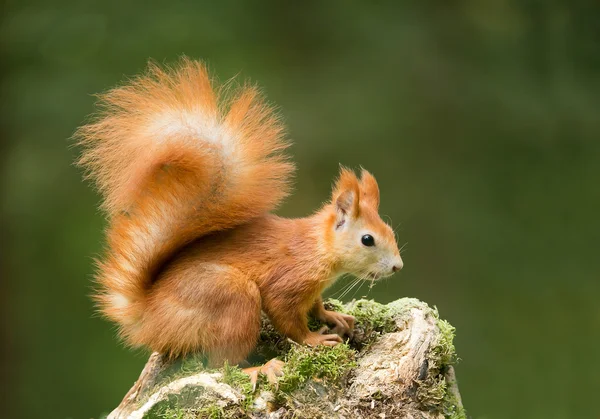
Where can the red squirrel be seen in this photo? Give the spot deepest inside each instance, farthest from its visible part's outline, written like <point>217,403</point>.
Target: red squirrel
<point>189,173</point>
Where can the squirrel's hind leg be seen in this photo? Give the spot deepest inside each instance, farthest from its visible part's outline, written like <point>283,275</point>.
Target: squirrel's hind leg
<point>208,308</point>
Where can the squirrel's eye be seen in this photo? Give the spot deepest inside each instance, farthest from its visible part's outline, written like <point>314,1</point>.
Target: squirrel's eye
<point>368,240</point>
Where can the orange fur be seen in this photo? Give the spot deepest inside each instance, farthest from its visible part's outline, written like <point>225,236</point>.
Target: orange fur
<point>189,178</point>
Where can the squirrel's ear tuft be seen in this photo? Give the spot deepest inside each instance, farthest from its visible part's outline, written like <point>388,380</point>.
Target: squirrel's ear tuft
<point>369,189</point>
<point>346,195</point>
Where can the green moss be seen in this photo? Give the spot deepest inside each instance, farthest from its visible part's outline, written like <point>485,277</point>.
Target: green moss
<point>372,320</point>
<point>193,403</point>
<point>312,377</point>
<point>172,413</point>
<point>236,378</point>
<point>210,412</point>
<point>314,324</point>
<point>329,364</point>
<point>451,408</point>
<point>445,351</point>
<point>372,316</point>
<point>179,406</point>
<point>432,391</point>
<point>401,308</point>
<point>196,411</point>
<point>335,305</point>
<point>207,412</point>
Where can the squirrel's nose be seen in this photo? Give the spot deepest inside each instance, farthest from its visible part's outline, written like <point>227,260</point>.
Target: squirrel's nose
<point>397,266</point>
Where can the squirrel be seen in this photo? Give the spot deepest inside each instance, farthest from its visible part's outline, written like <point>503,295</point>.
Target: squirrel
<point>190,173</point>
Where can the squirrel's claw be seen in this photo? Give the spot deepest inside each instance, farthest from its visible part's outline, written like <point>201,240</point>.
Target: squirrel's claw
<point>272,369</point>
<point>253,378</point>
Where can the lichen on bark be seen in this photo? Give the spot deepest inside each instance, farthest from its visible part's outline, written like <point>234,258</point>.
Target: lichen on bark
<point>399,363</point>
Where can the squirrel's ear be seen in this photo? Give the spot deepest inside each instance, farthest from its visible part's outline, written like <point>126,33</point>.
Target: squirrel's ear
<point>346,196</point>
<point>369,189</point>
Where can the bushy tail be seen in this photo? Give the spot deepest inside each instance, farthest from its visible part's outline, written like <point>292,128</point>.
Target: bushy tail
<point>175,159</point>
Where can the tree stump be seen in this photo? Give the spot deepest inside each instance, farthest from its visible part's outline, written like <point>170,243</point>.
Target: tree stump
<point>399,364</point>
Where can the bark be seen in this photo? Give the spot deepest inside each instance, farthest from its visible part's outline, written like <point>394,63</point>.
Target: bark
<point>398,365</point>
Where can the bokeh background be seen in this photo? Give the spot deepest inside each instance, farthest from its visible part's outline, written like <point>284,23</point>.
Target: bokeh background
<point>479,118</point>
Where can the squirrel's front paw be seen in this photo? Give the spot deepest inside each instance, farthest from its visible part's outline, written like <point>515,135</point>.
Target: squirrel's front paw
<point>319,338</point>
<point>344,323</point>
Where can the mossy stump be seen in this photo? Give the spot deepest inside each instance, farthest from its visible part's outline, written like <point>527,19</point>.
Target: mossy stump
<point>399,364</point>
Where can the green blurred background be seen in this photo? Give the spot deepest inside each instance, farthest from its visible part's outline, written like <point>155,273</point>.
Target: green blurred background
<point>479,119</point>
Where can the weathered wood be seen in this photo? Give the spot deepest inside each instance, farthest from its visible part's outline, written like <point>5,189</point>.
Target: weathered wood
<point>402,368</point>
<point>147,379</point>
